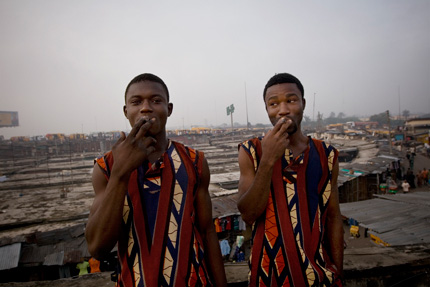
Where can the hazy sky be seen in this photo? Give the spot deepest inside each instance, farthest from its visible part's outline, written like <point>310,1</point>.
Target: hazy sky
<point>64,65</point>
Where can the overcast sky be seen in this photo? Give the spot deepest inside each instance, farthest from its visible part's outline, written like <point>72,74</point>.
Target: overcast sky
<point>64,65</point>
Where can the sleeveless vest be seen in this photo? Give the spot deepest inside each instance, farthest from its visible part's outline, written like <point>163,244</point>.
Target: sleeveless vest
<point>173,255</point>
<point>288,239</point>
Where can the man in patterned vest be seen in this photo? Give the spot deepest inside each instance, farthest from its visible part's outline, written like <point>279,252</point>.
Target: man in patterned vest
<point>152,199</point>
<point>288,193</point>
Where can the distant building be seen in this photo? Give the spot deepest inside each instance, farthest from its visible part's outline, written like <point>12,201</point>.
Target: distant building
<point>418,129</point>
<point>363,125</point>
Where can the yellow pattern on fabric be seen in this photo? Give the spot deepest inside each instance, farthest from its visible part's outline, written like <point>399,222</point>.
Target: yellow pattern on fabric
<point>254,156</point>
<point>167,266</point>
<point>176,160</point>
<point>291,192</point>
<point>327,191</point>
<point>130,241</point>
<point>325,197</point>
<point>287,155</point>
<point>173,230</point>
<point>178,194</point>
<point>310,274</point>
<point>136,271</point>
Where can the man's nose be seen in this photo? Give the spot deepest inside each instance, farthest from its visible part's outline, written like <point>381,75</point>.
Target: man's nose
<point>284,109</point>
<point>146,107</point>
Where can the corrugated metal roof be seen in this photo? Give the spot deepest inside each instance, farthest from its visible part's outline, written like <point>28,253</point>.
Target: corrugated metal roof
<point>225,177</point>
<point>54,259</point>
<point>224,206</point>
<point>57,235</point>
<point>33,254</point>
<point>397,219</point>
<point>9,256</point>
<point>73,250</point>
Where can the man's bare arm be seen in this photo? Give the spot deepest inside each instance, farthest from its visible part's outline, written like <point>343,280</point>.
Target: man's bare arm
<point>334,223</point>
<point>104,223</point>
<point>206,227</point>
<point>254,187</point>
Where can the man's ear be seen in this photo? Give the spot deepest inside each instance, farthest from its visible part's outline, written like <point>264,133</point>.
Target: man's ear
<point>124,109</point>
<point>170,109</point>
<point>304,104</point>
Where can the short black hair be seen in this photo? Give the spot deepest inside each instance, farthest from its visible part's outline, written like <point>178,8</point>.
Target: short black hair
<point>283,78</point>
<point>147,77</point>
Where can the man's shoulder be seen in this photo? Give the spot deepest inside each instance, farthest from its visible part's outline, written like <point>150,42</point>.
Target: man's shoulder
<point>102,159</point>
<point>323,143</point>
<point>181,145</point>
<point>252,140</point>
<point>192,153</point>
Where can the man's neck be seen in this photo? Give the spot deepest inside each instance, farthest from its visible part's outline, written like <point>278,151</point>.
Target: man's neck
<point>298,143</point>
<point>160,147</point>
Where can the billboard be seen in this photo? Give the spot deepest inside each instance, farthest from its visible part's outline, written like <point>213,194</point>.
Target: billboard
<point>9,119</point>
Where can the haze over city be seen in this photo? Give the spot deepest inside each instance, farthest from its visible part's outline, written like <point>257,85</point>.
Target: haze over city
<point>65,64</point>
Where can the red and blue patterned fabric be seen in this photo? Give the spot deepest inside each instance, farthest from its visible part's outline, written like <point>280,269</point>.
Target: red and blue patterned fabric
<point>161,245</point>
<point>288,239</point>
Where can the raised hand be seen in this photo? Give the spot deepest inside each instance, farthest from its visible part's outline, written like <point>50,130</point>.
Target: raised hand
<point>129,152</point>
<point>276,141</point>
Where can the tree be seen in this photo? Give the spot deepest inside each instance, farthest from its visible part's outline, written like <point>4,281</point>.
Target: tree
<point>380,118</point>
<point>341,115</point>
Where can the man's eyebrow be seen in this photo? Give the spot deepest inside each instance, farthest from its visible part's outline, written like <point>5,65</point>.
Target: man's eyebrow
<point>291,94</point>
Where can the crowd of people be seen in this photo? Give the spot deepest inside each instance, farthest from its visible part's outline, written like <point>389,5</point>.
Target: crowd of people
<point>395,176</point>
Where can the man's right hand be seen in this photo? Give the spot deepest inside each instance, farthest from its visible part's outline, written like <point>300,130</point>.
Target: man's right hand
<point>129,152</point>
<point>276,141</point>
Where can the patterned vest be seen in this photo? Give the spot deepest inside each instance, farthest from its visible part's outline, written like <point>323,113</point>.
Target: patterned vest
<point>170,253</point>
<point>288,239</point>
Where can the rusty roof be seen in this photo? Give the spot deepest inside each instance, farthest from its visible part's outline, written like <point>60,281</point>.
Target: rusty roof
<point>397,219</point>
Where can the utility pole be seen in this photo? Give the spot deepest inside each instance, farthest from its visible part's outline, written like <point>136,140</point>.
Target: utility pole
<point>399,104</point>
<point>389,131</point>
<point>246,103</point>
<point>313,112</point>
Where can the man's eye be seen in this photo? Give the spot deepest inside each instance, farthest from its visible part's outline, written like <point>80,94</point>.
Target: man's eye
<point>273,104</point>
<point>135,102</point>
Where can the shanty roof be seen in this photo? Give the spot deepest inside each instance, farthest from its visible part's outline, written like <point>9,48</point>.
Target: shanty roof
<point>9,256</point>
<point>225,177</point>
<point>70,251</point>
<point>397,219</point>
<point>224,206</point>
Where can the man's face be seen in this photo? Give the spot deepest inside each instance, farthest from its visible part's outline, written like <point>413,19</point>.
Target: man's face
<point>285,101</point>
<point>148,100</point>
